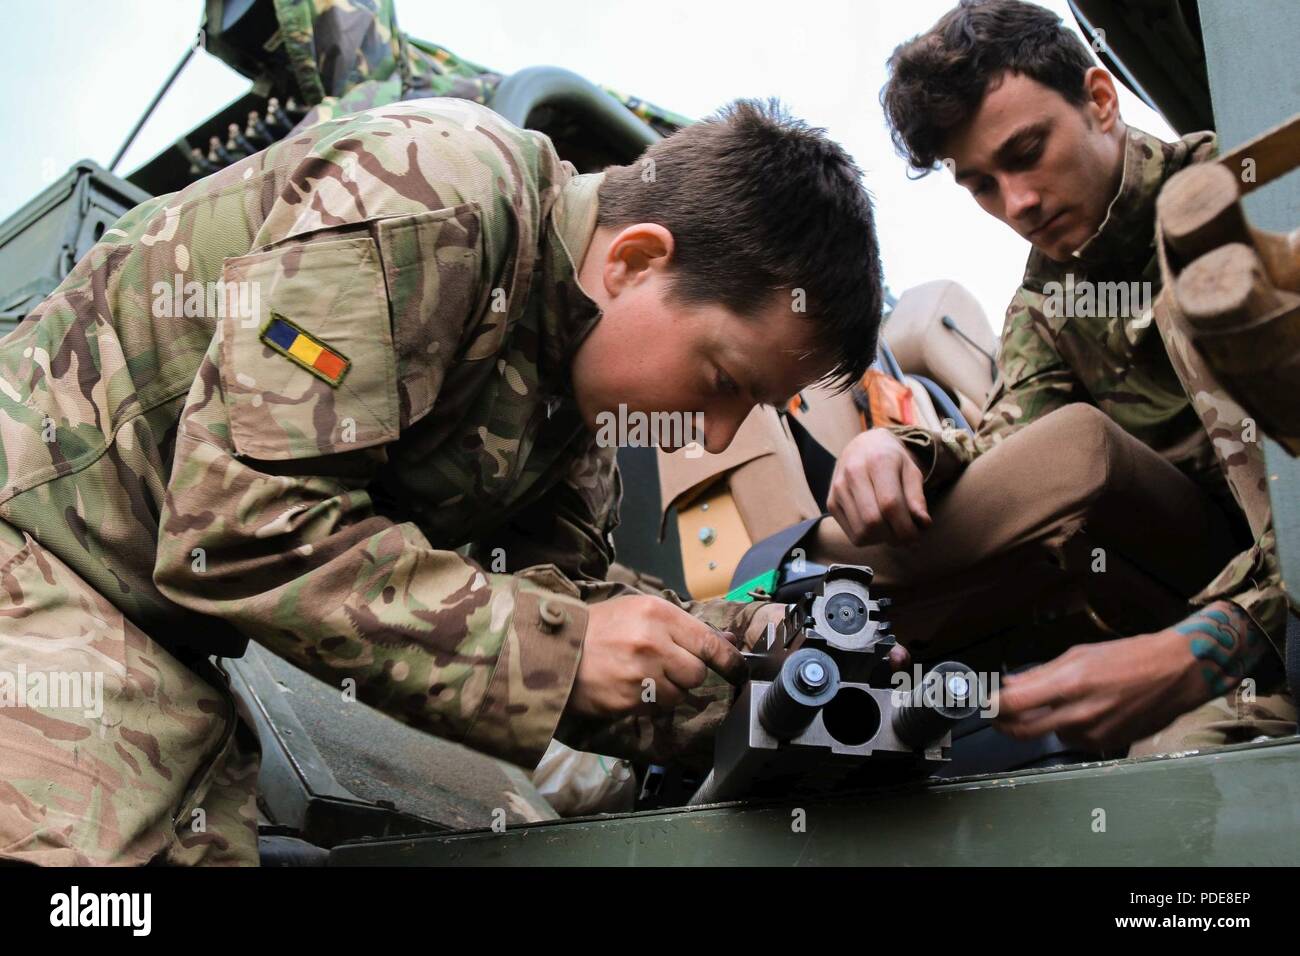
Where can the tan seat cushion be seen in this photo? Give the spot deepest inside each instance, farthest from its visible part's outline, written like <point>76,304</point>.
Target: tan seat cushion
<point>922,344</point>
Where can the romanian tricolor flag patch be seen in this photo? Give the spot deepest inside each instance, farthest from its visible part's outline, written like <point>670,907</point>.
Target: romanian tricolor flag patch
<point>305,349</point>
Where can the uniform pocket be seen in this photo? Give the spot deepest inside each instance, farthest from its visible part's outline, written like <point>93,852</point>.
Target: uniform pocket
<point>307,361</point>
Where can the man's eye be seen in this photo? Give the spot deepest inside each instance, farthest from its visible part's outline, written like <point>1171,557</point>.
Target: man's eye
<point>1027,159</point>
<point>981,187</point>
<point>724,383</point>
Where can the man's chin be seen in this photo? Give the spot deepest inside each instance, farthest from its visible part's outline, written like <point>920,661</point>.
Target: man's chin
<point>1059,251</point>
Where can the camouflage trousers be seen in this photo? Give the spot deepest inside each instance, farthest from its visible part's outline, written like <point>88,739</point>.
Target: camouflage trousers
<point>1235,718</point>
<point>112,752</point>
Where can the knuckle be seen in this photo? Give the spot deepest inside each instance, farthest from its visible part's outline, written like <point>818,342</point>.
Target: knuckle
<point>643,644</point>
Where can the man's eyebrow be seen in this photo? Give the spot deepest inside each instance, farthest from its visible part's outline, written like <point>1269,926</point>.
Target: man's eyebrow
<point>1012,146</point>
<point>1017,142</point>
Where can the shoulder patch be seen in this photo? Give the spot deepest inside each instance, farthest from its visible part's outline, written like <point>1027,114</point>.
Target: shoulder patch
<point>305,349</point>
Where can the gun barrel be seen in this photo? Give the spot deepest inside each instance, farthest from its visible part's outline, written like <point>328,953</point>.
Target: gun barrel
<point>945,696</point>
<point>807,682</point>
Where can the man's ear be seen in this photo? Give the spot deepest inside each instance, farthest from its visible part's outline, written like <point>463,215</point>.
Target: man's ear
<point>1103,98</point>
<point>634,255</point>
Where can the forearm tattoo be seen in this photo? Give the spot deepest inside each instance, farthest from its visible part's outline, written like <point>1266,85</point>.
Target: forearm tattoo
<point>1226,642</point>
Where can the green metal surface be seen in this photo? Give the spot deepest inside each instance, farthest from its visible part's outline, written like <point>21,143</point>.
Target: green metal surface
<point>1235,806</point>
<point>763,582</point>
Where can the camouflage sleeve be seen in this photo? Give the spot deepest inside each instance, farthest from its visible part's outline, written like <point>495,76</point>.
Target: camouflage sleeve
<point>268,520</point>
<point>1253,581</point>
<point>1032,381</point>
<point>293,554</point>
<point>569,529</point>
<point>685,734</point>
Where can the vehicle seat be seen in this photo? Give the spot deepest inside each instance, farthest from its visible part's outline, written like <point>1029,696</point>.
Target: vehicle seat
<point>938,330</point>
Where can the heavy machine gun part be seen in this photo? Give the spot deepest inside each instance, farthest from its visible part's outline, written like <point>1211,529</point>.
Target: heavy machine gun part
<point>806,683</point>
<point>818,708</point>
<point>945,696</point>
<point>841,614</point>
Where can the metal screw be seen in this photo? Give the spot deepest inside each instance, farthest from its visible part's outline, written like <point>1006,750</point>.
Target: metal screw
<point>811,676</point>
<point>708,536</point>
<point>958,686</point>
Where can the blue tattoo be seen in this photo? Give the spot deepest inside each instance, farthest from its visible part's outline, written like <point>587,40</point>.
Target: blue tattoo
<point>1228,648</point>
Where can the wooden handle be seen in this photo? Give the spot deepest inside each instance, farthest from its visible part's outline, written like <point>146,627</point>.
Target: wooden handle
<point>1225,288</point>
<point>1199,211</point>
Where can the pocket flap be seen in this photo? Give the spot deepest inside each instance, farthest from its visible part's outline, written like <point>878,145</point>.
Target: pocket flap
<point>307,363</point>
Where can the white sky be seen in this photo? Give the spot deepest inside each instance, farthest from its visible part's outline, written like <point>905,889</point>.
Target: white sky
<point>91,66</point>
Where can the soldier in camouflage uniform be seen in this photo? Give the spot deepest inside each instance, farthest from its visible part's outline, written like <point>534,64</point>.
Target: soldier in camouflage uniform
<point>349,55</point>
<point>1031,128</point>
<point>340,398</point>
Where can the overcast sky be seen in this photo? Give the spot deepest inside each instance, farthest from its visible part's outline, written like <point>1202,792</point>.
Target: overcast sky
<point>80,72</point>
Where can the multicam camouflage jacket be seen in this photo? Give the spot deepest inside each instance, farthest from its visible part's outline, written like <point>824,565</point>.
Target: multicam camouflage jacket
<point>350,55</point>
<point>1084,331</point>
<point>288,402</point>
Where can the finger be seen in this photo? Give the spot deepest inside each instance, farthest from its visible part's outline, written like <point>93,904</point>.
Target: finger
<point>683,668</point>
<point>900,658</point>
<point>665,695</point>
<point>845,513</point>
<point>914,492</point>
<point>1071,722</point>
<point>893,506</point>
<point>873,526</point>
<point>1037,687</point>
<point>706,644</point>
<point>1028,724</point>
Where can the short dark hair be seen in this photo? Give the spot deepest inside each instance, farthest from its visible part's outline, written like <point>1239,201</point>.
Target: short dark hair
<point>758,204</point>
<point>938,79</point>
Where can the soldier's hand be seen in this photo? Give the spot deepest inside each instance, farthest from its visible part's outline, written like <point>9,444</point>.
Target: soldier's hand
<point>642,654</point>
<point>1106,696</point>
<point>1103,697</point>
<point>877,492</point>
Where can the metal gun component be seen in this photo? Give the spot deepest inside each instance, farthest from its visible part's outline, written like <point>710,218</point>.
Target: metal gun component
<point>806,683</point>
<point>275,119</point>
<point>236,144</point>
<point>199,165</point>
<point>946,695</point>
<point>256,130</point>
<point>818,706</point>
<point>216,152</point>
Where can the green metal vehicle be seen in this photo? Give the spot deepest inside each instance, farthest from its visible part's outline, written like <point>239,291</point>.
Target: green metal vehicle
<point>342,784</point>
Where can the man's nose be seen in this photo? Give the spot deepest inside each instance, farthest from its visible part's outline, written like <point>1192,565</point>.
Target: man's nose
<point>1022,199</point>
<point>719,430</point>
